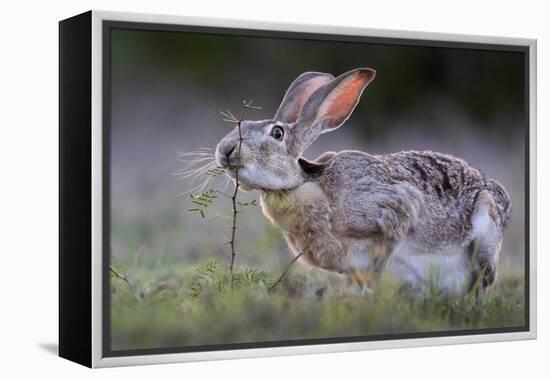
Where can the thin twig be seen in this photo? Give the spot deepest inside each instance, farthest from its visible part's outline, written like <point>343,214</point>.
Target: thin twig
<point>231,118</point>
<point>282,276</point>
<point>122,277</point>
<point>234,196</point>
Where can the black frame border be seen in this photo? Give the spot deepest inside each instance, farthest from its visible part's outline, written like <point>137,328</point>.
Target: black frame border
<point>108,25</point>
<point>75,188</point>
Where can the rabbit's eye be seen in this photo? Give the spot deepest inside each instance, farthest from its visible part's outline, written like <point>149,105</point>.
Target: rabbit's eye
<point>278,132</point>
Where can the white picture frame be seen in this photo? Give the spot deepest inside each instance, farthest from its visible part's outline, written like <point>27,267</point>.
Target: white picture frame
<point>97,356</point>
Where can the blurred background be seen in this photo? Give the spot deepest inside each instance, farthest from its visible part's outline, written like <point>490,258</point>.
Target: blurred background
<point>168,89</point>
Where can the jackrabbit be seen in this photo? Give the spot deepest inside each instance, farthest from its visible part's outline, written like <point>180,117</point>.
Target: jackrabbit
<point>422,216</point>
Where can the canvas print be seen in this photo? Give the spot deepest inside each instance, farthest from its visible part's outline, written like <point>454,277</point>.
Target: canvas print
<point>281,189</point>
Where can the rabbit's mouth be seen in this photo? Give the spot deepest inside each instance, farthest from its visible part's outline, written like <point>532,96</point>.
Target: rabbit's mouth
<point>232,166</point>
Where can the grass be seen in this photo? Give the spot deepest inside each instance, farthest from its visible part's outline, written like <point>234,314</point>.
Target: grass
<point>177,305</point>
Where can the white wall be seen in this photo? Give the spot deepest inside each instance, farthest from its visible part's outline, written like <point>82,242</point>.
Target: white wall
<point>28,290</point>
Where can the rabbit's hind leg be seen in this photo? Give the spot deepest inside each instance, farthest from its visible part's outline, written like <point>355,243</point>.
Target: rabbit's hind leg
<point>484,248</point>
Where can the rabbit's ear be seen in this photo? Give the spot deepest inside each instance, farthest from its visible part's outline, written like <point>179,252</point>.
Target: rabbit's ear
<point>329,107</point>
<point>298,93</point>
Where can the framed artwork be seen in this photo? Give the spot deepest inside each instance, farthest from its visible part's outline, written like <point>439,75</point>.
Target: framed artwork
<point>233,189</point>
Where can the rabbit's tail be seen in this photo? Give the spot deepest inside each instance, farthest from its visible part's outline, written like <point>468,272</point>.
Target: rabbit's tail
<point>502,199</point>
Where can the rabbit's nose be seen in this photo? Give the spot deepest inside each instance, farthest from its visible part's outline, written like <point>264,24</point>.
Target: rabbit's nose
<point>229,151</point>
<point>223,153</point>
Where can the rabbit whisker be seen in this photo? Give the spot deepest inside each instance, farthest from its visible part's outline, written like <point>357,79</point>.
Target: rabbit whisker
<point>197,162</point>
<point>191,160</point>
<point>199,188</point>
<point>195,172</point>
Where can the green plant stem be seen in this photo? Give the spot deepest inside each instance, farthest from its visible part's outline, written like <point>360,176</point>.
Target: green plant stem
<point>121,276</point>
<point>283,275</point>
